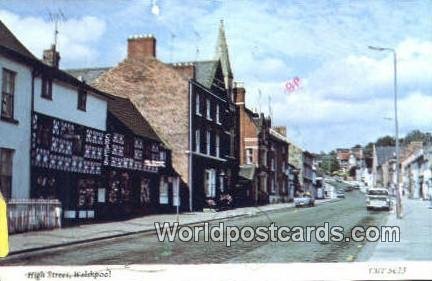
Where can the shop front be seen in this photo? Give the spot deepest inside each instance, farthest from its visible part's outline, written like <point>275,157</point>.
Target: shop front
<point>66,165</point>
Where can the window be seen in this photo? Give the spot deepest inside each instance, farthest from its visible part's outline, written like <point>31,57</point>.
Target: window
<point>217,145</point>
<point>217,114</point>
<point>129,147</point>
<point>197,104</point>
<point>210,183</point>
<point>232,143</point>
<point>208,109</point>
<point>273,164</point>
<point>249,155</point>
<point>82,99</point>
<point>221,183</point>
<point>6,172</point>
<point>163,191</point>
<point>8,89</point>
<point>272,185</point>
<point>197,140</point>
<point>208,139</point>
<point>264,158</point>
<point>46,91</point>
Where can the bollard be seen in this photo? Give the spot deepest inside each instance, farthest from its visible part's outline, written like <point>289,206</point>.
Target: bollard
<point>4,239</point>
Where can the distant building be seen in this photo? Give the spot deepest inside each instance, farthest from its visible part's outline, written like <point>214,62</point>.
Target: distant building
<point>254,151</point>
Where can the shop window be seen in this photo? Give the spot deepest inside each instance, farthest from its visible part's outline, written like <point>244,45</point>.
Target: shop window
<point>8,92</point>
<point>87,193</point>
<point>119,187</point>
<point>6,162</point>
<point>45,186</point>
<point>210,183</point>
<point>145,191</point>
<point>163,192</point>
<point>47,87</point>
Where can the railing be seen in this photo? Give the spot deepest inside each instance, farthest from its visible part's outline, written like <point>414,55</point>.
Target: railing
<point>33,214</point>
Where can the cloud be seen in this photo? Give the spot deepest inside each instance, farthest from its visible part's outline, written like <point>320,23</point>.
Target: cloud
<point>76,41</point>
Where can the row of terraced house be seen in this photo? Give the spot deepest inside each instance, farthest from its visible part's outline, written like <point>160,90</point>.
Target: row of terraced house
<point>140,137</point>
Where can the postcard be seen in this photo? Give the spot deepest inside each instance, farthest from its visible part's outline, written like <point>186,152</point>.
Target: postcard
<point>215,140</point>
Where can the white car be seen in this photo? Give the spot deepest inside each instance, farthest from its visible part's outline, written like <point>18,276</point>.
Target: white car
<point>378,198</point>
<point>306,200</point>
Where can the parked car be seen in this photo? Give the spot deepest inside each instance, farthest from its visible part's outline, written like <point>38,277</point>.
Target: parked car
<point>378,198</point>
<point>304,200</point>
<point>340,194</point>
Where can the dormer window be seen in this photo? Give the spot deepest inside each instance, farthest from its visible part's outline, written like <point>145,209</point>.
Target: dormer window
<point>82,99</point>
<point>46,91</point>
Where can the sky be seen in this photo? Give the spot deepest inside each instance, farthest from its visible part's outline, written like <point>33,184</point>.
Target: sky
<point>345,94</point>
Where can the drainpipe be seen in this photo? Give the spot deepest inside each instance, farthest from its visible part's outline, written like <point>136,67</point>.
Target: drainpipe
<point>34,74</point>
<point>190,148</point>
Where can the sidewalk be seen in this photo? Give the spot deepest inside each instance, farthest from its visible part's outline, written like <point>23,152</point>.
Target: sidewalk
<point>415,236</point>
<point>39,240</point>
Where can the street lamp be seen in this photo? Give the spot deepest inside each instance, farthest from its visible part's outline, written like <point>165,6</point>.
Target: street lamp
<point>398,188</point>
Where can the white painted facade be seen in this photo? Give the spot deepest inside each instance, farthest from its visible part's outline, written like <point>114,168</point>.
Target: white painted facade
<point>17,136</point>
<point>64,105</point>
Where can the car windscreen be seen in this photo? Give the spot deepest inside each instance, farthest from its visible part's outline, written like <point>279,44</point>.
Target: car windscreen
<point>378,192</point>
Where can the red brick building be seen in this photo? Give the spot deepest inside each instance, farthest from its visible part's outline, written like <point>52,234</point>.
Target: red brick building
<point>254,147</point>
<point>190,107</point>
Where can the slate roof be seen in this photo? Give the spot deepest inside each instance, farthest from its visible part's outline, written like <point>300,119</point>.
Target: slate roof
<point>88,74</point>
<point>128,114</point>
<point>8,40</point>
<point>205,72</point>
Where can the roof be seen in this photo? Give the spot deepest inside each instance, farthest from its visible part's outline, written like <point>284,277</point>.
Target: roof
<point>247,171</point>
<point>205,72</point>
<point>8,40</point>
<point>88,74</point>
<point>12,47</point>
<point>128,114</point>
<point>222,51</point>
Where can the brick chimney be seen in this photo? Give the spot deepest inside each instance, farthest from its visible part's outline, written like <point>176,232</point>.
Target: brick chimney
<point>239,93</point>
<point>51,57</point>
<point>141,46</point>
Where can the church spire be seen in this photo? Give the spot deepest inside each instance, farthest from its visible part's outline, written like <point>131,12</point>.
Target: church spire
<point>223,56</point>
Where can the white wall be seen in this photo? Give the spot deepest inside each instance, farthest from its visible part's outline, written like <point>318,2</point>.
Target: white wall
<point>17,136</point>
<point>64,105</point>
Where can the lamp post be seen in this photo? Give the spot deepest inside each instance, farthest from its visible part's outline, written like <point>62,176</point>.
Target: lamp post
<point>398,187</point>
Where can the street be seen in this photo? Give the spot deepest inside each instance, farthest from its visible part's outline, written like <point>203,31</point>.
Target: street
<point>145,248</point>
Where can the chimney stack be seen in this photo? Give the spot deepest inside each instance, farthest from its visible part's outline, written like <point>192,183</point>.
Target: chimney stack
<point>51,57</point>
<point>239,93</point>
<point>141,46</point>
